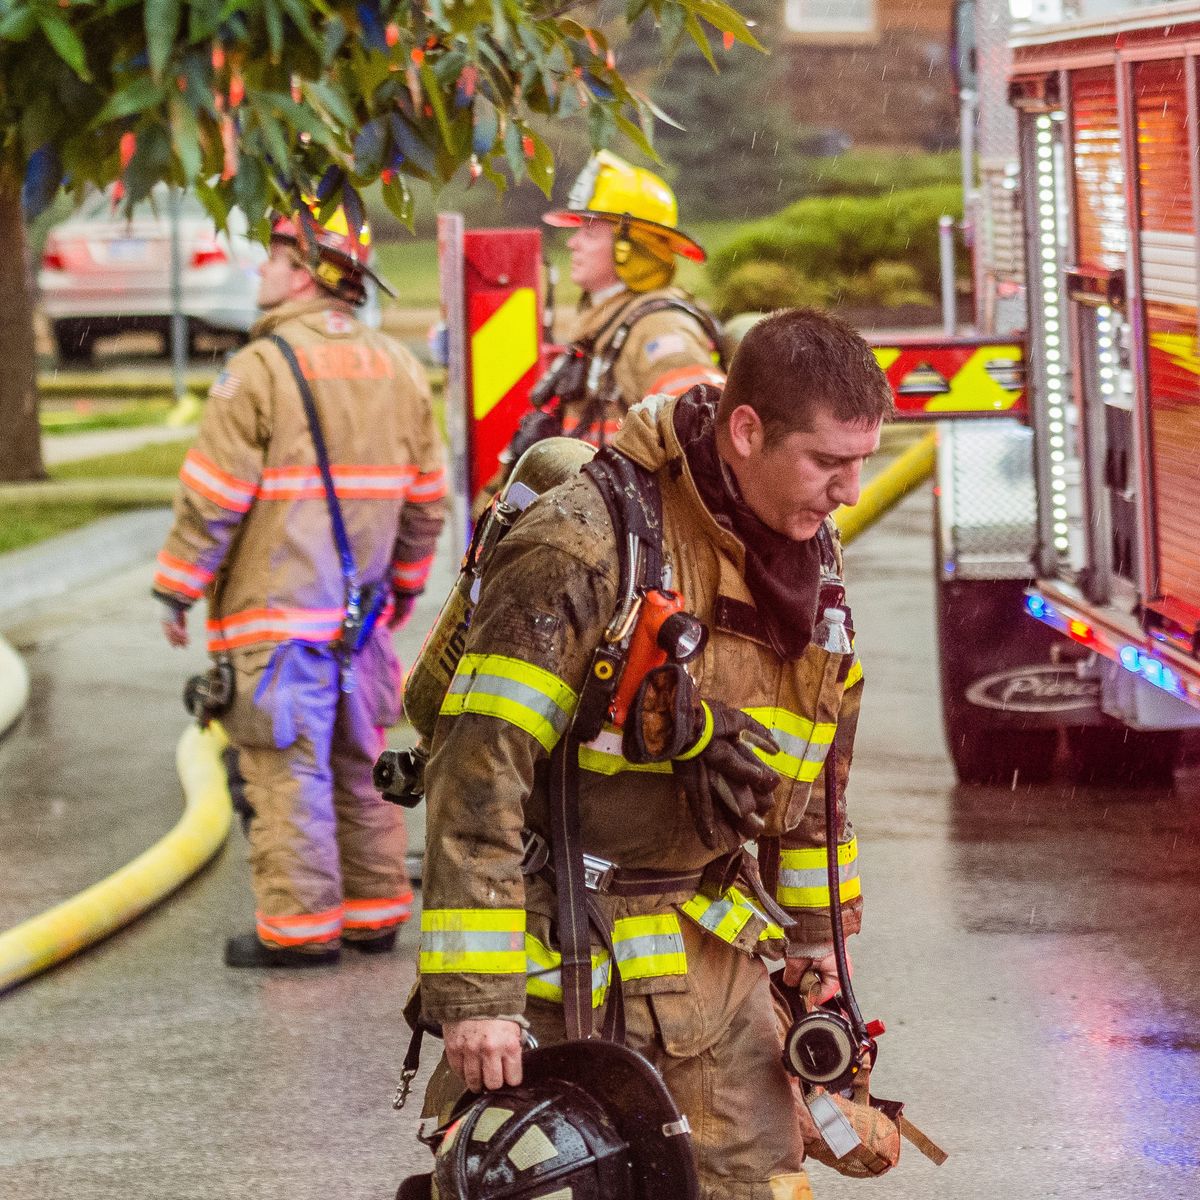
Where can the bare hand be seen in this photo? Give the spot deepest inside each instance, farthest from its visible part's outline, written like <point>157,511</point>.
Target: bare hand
<point>485,1054</point>
<point>175,628</point>
<point>824,968</point>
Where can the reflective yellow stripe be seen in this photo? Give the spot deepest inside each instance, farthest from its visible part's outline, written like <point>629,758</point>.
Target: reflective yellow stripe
<point>647,947</point>
<point>543,972</point>
<point>803,744</point>
<point>855,674</point>
<point>650,946</point>
<point>704,738</point>
<point>473,941</point>
<point>602,756</point>
<point>804,881</point>
<point>529,697</point>
<point>727,917</point>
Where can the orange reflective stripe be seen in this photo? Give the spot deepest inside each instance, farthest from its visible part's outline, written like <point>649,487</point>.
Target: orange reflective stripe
<point>428,486</point>
<point>598,433</point>
<point>203,475</point>
<point>178,575</point>
<point>411,576</point>
<point>378,913</point>
<point>680,379</point>
<point>350,482</point>
<point>301,929</point>
<point>318,625</point>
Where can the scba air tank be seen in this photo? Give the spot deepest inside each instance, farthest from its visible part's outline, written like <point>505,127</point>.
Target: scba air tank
<point>546,464</point>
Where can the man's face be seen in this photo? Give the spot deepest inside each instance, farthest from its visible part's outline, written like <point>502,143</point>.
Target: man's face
<point>280,279</point>
<point>796,482</point>
<point>591,247</point>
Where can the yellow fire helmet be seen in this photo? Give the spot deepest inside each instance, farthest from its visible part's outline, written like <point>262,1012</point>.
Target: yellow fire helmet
<point>642,207</point>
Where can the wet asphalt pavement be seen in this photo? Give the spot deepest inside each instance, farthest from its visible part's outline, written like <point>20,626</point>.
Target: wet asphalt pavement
<point>1034,953</point>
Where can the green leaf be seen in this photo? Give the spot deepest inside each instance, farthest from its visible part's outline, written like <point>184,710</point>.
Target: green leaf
<point>541,165</point>
<point>204,19</point>
<point>410,143</point>
<point>136,96</point>
<point>433,93</point>
<point>486,126</point>
<point>65,41</point>
<point>514,151</point>
<point>250,187</point>
<point>698,35</point>
<point>162,25</point>
<point>399,198</point>
<point>185,135</point>
<point>302,15</point>
<point>335,38</point>
<point>17,25</point>
<point>636,135</point>
<point>272,135</point>
<point>274,22</point>
<point>331,97</point>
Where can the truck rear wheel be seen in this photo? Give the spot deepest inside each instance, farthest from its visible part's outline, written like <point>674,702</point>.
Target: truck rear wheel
<point>1113,756</point>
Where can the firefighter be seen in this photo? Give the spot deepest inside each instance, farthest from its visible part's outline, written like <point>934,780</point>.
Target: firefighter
<point>635,333</point>
<point>747,478</point>
<point>255,533</point>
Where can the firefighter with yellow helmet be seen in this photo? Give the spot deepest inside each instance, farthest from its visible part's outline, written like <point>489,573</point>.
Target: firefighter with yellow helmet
<point>307,515</point>
<point>635,334</point>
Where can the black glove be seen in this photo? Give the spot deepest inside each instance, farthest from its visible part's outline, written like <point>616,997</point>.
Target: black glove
<point>402,606</point>
<point>713,748</point>
<point>724,781</point>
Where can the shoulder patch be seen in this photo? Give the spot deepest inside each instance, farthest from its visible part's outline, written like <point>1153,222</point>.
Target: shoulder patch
<point>338,322</point>
<point>225,386</point>
<point>665,344</point>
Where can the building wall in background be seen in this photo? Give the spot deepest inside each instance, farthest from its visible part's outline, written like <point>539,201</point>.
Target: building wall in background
<point>876,71</point>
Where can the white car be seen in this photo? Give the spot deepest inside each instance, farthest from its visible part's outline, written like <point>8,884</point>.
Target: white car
<point>104,273</point>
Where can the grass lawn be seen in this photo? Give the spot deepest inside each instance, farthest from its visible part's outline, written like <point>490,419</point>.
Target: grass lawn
<point>25,524</point>
<point>411,266</point>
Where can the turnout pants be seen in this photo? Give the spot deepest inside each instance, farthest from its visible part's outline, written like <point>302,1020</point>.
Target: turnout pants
<point>326,853</point>
<point>718,1043</point>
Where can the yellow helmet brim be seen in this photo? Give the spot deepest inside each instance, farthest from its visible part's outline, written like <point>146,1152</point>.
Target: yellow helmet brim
<point>678,241</point>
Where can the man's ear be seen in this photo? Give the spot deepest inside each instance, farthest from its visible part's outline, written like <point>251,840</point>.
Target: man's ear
<point>745,431</point>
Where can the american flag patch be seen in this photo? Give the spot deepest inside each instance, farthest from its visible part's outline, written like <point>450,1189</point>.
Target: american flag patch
<point>225,387</point>
<point>661,346</point>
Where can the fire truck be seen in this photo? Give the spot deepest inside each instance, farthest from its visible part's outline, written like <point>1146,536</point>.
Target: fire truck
<point>1067,561</point>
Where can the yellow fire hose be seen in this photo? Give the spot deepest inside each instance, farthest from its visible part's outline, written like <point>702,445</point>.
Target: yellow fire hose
<point>69,927</point>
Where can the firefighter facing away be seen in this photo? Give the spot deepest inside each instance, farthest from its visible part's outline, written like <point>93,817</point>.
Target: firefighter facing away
<point>728,749</point>
<point>635,333</point>
<point>304,589</point>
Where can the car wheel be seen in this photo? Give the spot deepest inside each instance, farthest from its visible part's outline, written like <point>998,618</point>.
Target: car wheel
<point>1113,756</point>
<point>74,341</point>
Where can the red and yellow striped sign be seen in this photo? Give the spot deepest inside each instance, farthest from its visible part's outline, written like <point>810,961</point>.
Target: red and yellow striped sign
<point>954,377</point>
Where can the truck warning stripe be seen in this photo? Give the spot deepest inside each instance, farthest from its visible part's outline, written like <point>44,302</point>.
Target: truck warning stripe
<point>503,349</point>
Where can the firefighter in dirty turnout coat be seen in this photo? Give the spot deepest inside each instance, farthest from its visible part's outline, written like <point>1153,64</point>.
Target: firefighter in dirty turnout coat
<point>748,478</point>
<point>253,534</point>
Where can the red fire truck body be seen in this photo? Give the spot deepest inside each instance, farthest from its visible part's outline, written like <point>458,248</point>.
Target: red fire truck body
<point>1097,507</point>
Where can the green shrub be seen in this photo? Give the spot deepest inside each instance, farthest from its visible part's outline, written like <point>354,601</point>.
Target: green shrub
<point>827,240</point>
<point>886,285</point>
<point>873,172</point>
<point>762,286</point>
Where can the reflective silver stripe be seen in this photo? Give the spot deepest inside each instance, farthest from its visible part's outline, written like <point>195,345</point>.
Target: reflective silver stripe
<point>475,941</point>
<point>799,747</point>
<point>648,945</point>
<point>816,877</point>
<point>487,684</point>
<point>714,914</point>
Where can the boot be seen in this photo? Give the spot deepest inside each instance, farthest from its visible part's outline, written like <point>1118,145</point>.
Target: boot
<point>381,943</point>
<point>246,950</point>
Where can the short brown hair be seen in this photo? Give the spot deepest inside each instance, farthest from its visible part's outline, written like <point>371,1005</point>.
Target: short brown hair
<point>798,360</point>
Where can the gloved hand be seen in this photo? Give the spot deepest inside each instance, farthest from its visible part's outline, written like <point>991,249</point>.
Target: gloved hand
<point>402,606</point>
<point>713,747</point>
<point>724,781</point>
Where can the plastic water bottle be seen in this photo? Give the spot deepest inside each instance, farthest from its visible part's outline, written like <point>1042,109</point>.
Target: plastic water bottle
<point>831,633</point>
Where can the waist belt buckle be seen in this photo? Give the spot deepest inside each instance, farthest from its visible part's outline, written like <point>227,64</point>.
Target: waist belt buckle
<point>598,873</point>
